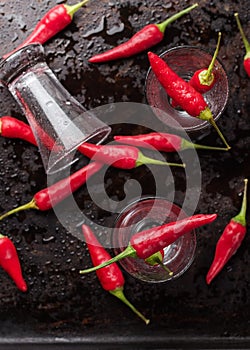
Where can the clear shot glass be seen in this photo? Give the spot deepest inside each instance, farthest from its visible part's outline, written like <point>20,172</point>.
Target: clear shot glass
<point>185,60</point>
<point>141,215</point>
<point>59,122</point>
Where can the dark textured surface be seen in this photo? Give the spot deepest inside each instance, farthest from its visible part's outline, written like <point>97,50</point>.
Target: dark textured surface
<point>60,304</point>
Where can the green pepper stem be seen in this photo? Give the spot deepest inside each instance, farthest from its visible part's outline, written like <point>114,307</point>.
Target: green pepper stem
<point>156,259</point>
<point>159,262</point>
<point>146,160</point>
<point>71,9</point>
<point>166,269</point>
<point>241,217</point>
<point>162,26</point>
<point>128,252</point>
<point>118,292</point>
<point>185,144</point>
<point>30,205</point>
<point>245,41</point>
<point>211,66</point>
<point>212,122</point>
<point>206,114</point>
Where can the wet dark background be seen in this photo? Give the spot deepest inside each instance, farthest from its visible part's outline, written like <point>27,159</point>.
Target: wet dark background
<point>60,305</point>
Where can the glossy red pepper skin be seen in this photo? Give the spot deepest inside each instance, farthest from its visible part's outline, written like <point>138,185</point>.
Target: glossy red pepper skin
<point>204,79</point>
<point>148,242</point>
<point>177,88</point>
<point>147,37</point>
<point>182,93</point>
<point>50,196</point>
<point>9,261</point>
<point>226,247</point>
<point>246,62</point>
<point>162,142</point>
<point>119,156</point>
<point>15,128</point>
<point>54,194</point>
<point>55,20</point>
<point>195,81</point>
<point>230,240</point>
<point>110,277</point>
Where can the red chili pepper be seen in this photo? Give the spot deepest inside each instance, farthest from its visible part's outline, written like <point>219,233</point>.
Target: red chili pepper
<point>204,79</point>
<point>54,194</point>
<point>15,128</point>
<point>9,261</point>
<point>126,157</point>
<point>111,277</point>
<point>52,23</point>
<point>182,92</point>
<point>146,243</point>
<point>147,37</point>
<point>162,142</point>
<point>230,240</point>
<point>119,156</point>
<point>246,61</point>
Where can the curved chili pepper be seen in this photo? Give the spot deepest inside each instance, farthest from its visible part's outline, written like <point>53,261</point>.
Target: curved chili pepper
<point>15,128</point>
<point>111,277</point>
<point>54,194</point>
<point>162,142</point>
<point>230,240</point>
<point>246,61</point>
<point>204,79</point>
<point>147,37</point>
<point>182,92</point>
<point>52,23</point>
<point>119,156</point>
<point>9,261</point>
<point>146,243</point>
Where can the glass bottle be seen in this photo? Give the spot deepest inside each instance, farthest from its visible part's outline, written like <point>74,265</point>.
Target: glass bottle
<point>59,122</point>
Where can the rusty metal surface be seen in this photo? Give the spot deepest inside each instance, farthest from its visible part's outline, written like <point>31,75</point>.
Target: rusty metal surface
<point>63,306</point>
